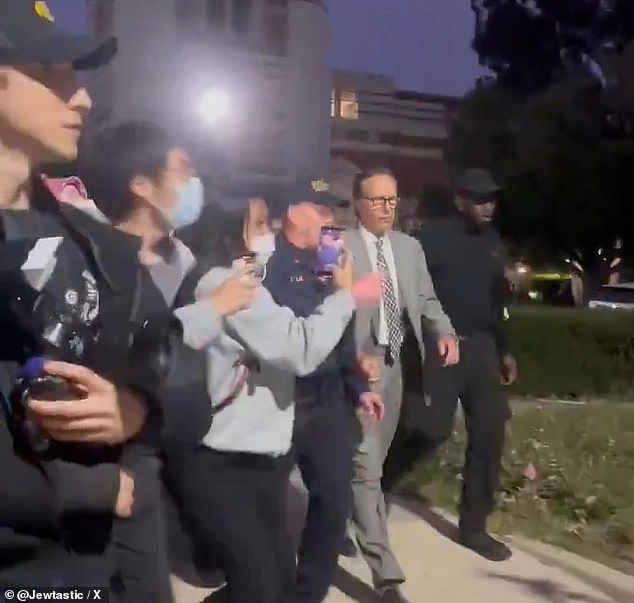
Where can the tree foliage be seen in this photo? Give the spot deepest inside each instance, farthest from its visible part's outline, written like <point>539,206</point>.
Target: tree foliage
<point>528,44</point>
<point>555,125</point>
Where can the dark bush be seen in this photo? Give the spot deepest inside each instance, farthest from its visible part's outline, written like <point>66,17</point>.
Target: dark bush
<point>572,353</point>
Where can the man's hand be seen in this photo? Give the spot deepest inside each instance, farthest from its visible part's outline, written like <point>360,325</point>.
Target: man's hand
<point>124,506</point>
<point>368,367</point>
<point>508,369</point>
<point>234,294</point>
<point>372,406</point>
<point>448,350</point>
<point>105,415</point>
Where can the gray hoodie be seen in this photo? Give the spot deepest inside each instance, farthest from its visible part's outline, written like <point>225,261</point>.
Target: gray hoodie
<point>260,417</point>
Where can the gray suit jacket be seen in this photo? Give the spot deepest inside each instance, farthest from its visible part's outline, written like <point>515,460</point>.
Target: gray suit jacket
<point>416,291</point>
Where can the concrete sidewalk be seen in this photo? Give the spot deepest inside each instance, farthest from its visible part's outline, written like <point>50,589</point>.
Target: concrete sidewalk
<point>438,570</point>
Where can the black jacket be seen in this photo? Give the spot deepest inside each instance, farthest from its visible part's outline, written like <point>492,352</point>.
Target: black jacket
<point>291,280</point>
<point>467,267</point>
<point>47,506</point>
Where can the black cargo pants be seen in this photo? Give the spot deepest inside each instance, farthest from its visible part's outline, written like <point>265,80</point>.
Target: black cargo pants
<point>475,382</point>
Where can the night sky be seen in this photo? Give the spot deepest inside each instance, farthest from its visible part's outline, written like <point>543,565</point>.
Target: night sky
<point>424,44</point>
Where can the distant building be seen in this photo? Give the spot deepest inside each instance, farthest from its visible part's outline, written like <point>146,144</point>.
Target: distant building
<point>373,123</point>
<point>268,56</point>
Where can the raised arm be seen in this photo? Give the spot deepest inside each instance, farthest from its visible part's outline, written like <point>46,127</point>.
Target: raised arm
<point>276,336</point>
<point>219,293</point>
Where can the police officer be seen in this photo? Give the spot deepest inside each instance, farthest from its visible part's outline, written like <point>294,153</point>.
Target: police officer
<point>466,255</point>
<point>325,400</point>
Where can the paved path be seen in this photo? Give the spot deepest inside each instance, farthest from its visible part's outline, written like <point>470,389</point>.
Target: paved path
<point>440,570</point>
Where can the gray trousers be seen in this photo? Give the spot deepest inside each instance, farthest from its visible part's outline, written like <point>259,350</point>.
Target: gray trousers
<point>369,514</point>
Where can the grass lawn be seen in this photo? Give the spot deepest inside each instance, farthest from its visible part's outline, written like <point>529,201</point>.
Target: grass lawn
<point>567,479</point>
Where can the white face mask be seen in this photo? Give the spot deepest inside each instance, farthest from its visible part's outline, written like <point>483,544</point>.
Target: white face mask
<point>263,246</point>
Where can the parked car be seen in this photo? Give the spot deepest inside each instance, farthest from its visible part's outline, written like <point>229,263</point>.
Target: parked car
<point>613,297</point>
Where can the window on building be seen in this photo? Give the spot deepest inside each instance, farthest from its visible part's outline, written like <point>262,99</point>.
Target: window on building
<point>241,16</point>
<point>333,103</point>
<point>397,139</point>
<point>276,34</point>
<point>216,14</point>
<point>185,15</point>
<point>348,105</point>
<point>392,138</point>
<point>357,135</point>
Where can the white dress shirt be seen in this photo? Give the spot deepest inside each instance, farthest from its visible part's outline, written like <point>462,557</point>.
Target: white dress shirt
<point>370,242</point>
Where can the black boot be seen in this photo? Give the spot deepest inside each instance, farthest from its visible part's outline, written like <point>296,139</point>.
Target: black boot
<point>484,545</point>
<point>348,548</point>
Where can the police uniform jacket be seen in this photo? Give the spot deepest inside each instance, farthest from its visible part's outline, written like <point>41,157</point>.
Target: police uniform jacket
<point>291,280</point>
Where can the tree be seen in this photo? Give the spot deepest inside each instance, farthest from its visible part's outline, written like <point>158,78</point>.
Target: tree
<point>569,187</point>
<point>567,183</point>
<point>528,44</point>
<point>482,133</point>
<point>555,124</point>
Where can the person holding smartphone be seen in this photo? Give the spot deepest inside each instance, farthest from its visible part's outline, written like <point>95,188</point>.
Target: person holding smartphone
<point>146,186</point>
<point>233,488</point>
<point>309,251</point>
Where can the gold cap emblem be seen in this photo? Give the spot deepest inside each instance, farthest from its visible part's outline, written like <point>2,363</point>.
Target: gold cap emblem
<point>320,186</point>
<point>42,11</point>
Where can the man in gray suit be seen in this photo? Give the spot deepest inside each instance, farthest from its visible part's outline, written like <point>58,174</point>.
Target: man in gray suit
<point>408,298</point>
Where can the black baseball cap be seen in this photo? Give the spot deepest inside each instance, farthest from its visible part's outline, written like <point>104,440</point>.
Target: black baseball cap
<point>478,183</point>
<point>313,190</point>
<point>28,34</point>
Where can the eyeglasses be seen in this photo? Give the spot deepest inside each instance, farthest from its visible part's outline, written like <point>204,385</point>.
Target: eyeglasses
<point>376,202</point>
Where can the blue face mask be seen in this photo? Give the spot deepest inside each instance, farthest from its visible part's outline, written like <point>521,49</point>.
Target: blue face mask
<point>189,204</point>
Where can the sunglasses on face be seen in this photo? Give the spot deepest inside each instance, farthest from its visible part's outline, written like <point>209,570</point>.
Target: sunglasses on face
<point>477,199</point>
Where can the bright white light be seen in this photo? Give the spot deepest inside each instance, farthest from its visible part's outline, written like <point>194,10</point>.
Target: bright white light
<point>214,105</point>
<point>522,269</point>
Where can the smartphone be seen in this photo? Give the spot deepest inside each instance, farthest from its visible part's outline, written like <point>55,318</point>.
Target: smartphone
<point>48,388</point>
<point>250,259</point>
<point>45,388</point>
<point>329,250</point>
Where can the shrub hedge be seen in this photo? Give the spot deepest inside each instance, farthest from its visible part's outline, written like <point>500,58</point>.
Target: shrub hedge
<point>572,353</point>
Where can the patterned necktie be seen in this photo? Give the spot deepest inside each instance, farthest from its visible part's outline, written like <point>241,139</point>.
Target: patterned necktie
<point>390,305</point>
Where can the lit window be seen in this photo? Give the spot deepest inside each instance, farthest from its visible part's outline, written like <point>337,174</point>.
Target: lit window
<point>333,103</point>
<point>349,106</point>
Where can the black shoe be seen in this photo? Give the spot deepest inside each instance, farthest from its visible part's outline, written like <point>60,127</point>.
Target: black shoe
<point>392,594</point>
<point>348,548</point>
<point>486,546</point>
